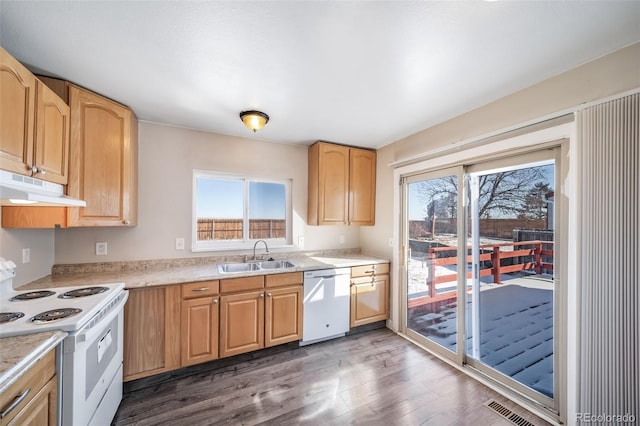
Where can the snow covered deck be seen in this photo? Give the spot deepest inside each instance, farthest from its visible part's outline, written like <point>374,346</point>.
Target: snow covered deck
<point>516,323</point>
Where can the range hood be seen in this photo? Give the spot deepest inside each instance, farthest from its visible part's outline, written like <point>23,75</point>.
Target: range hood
<point>19,190</point>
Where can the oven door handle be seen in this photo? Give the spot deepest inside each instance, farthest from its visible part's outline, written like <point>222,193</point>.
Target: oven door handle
<point>92,331</point>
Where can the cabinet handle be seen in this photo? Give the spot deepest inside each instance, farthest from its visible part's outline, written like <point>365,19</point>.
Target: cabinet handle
<point>268,294</point>
<point>372,284</point>
<point>215,301</point>
<point>262,295</point>
<point>200,289</point>
<point>369,272</point>
<point>41,172</point>
<point>126,222</point>
<point>33,170</point>
<point>16,401</point>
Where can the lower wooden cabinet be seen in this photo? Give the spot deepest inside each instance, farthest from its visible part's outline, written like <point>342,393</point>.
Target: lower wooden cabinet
<point>241,323</point>
<point>37,392</point>
<point>175,326</point>
<point>251,320</point>
<point>369,294</point>
<point>283,316</point>
<point>199,322</point>
<point>151,331</point>
<point>199,330</point>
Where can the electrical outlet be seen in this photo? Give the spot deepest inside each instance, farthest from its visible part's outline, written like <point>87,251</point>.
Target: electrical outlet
<point>179,243</point>
<point>101,248</point>
<point>341,239</point>
<point>26,255</point>
<point>300,241</point>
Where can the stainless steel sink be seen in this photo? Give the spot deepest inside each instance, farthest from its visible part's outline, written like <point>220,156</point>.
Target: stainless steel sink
<point>267,265</point>
<point>276,264</point>
<point>233,268</point>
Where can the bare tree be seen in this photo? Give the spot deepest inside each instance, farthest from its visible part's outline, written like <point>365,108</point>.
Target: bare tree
<point>500,194</point>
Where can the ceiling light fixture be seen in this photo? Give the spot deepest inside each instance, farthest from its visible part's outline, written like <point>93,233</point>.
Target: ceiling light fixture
<point>255,120</point>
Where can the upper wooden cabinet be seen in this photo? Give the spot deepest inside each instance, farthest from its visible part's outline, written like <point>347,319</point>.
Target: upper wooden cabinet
<point>103,167</point>
<point>342,184</point>
<point>362,187</point>
<point>51,150</point>
<point>34,125</point>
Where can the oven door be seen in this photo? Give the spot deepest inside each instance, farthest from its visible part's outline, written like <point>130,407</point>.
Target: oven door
<point>92,368</point>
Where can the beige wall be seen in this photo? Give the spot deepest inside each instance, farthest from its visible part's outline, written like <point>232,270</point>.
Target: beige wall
<point>610,75</point>
<point>40,243</point>
<point>168,156</point>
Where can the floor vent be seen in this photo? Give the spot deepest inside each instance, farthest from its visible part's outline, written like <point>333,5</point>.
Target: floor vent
<point>507,414</point>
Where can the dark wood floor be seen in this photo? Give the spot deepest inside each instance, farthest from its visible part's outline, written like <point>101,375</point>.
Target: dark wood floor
<point>368,378</point>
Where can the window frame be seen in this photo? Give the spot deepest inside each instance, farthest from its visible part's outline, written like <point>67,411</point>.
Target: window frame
<point>246,242</point>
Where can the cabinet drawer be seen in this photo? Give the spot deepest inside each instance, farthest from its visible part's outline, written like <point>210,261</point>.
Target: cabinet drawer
<point>233,285</point>
<point>367,270</point>
<point>33,380</point>
<point>200,289</point>
<point>279,280</point>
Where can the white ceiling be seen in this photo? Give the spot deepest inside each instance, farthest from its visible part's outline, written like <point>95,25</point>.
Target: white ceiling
<point>360,73</point>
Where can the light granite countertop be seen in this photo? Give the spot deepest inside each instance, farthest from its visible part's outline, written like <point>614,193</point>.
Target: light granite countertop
<point>19,353</point>
<point>155,273</point>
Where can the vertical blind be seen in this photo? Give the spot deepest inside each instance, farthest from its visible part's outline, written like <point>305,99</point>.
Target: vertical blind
<point>609,257</point>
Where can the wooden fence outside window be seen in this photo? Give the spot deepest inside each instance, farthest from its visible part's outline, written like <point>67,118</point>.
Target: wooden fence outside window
<point>231,229</point>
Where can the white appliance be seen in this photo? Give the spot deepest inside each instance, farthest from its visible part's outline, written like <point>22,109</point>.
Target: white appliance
<point>90,363</point>
<point>16,189</point>
<point>325,313</point>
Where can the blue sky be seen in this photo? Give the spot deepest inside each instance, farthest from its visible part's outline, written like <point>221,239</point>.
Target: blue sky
<point>223,198</point>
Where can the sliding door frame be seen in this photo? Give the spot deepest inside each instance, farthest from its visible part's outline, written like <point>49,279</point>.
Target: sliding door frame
<point>528,159</point>
<point>458,171</point>
<point>558,134</point>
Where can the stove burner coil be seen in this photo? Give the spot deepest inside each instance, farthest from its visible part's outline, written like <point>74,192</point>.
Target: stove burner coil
<point>54,315</point>
<point>32,295</point>
<point>82,292</point>
<point>10,316</point>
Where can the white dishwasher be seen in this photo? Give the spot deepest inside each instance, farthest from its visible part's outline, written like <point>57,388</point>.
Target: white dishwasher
<point>325,314</point>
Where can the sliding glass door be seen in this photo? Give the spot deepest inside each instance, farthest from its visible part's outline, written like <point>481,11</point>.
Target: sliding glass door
<point>480,261</point>
<point>433,233</point>
<point>510,298</point>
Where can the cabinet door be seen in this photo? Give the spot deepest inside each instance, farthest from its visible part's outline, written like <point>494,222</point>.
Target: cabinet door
<point>51,151</point>
<point>362,187</point>
<point>369,300</point>
<point>283,315</point>
<point>151,331</point>
<point>103,162</point>
<point>17,115</point>
<point>25,396</point>
<point>199,330</point>
<point>241,323</point>
<point>333,184</point>
<point>42,410</point>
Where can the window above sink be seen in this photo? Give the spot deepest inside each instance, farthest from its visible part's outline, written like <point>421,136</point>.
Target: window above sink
<point>234,211</point>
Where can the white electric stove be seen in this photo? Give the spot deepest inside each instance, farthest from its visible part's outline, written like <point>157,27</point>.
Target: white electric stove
<point>65,308</point>
<point>90,358</point>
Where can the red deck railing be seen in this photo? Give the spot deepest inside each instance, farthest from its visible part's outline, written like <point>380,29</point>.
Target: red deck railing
<point>522,253</point>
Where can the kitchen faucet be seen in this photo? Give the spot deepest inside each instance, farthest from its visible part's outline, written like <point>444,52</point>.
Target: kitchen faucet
<point>266,248</point>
